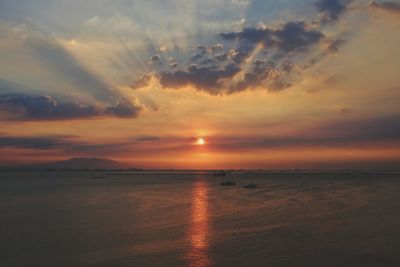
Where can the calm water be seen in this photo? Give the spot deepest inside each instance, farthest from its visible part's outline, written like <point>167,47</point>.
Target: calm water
<point>69,219</point>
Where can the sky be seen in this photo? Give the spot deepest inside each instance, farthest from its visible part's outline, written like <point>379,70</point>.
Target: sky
<point>305,84</point>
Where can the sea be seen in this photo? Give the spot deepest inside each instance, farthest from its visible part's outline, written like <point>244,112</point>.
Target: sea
<point>83,218</point>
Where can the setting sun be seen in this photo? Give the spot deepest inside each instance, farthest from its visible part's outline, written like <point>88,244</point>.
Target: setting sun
<point>200,141</point>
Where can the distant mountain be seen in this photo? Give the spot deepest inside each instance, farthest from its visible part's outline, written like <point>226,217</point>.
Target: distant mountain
<point>83,163</point>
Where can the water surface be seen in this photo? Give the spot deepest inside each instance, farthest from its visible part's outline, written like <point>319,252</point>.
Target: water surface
<point>187,219</point>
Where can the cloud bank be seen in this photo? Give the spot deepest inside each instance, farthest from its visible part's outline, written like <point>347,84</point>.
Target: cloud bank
<point>271,57</point>
<point>330,10</point>
<point>44,107</point>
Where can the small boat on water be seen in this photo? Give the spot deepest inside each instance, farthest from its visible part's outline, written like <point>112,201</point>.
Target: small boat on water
<point>252,185</point>
<point>228,183</point>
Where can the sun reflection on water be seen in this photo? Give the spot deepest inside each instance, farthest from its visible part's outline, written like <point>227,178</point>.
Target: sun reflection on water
<point>198,234</point>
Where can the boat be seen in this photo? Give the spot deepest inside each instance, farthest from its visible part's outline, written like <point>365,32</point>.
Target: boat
<point>252,185</point>
<point>228,183</point>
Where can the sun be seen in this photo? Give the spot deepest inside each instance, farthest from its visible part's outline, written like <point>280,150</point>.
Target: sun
<point>200,141</point>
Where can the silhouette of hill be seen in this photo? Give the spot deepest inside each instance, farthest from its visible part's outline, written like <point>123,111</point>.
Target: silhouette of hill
<point>83,163</point>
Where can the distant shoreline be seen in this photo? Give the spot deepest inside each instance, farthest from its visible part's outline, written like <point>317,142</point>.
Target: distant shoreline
<point>193,171</point>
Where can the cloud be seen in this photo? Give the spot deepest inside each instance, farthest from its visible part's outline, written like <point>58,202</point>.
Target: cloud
<point>143,81</point>
<point>334,45</point>
<point>125,108</point>
<point>108,49</point>
<point>69,144</point>
<point>172,63</point>
<point>273,57</point>
<point>217,47</point>
<point>201,51</point>
<point>331,9</point>
<point>221,56</point>
<point>346,133</point>
<point>240,54</point>
<point>263,73</point>
<point>290,37</point>
<point>74,145</point>
<point>147,138</point>
<point>386,6</point>
<point>218,72</point>
<point>156,60</point>
<point>44,107</point>
<point>208,79</point>
<point>342,133</point>
<point>31,142</point>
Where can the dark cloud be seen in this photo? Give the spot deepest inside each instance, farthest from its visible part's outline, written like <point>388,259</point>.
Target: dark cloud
<point>147,138</point>
<point>37,108</point>
<point>221,56</point>
<point>196,57</point>
<point>156,59</point>
<point>266,74</point>
<point>268,57</point>
<point>287,66</point>
<point>260,72</point>
<point>214,76</point>
<point>201,51</point>
<point>203,78</point>
<point>250,34</point>
<point>75,146</point>
<point>32,142</point>
<point>261,65</point>
<point>69,144</point>
<point>370,129</point>
<point>240,54</point>
<point>296,36</point>
<point>141,82</point>
<point>279,85</point>
<point>331,9</point>
<point>174,65</point>
<point>334,45</point>
<point>249,80</point>
<point>344,133</point>
<point>123,109</point>
<point>386,6</point>
<point>290,37</point>
<point>208,61</point>
<point>215,48</point>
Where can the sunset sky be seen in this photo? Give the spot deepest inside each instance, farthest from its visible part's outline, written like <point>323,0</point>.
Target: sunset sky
<point>266,84</point>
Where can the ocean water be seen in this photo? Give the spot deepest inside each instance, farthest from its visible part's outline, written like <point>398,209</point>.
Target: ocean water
<point>188,219</point>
